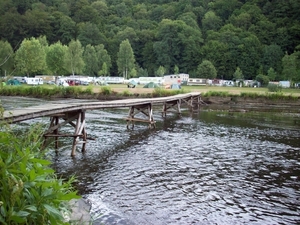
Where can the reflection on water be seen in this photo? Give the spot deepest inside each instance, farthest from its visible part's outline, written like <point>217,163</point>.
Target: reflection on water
<point>211,167</point>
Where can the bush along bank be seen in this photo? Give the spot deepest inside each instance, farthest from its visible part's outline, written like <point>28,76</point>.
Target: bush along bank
<point>30,192</point>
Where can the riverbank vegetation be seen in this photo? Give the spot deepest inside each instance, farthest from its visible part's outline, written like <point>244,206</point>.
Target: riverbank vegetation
<point>30,192</point>
<point>235,39</point>
<point>119,91</point>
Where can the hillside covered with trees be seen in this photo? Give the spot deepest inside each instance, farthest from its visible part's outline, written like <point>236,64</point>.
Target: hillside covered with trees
<point>239,39</point>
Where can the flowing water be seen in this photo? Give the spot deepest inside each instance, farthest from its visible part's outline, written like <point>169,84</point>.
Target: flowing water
<point>210,167</point>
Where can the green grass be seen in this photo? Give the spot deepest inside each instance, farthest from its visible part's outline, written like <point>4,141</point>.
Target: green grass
<point>46,91</point>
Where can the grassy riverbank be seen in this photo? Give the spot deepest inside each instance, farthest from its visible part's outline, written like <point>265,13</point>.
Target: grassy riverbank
<point>204,89</point>
<point>116,91</point>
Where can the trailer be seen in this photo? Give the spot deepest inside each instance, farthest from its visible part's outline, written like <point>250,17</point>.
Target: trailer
<point>109,80</point>
<point>181,78</point>
<point>196,81</point>
<point>146,80</point>
<point>33,81</point>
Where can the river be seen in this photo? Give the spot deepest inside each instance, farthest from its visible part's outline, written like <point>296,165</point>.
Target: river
<point>207,167</point>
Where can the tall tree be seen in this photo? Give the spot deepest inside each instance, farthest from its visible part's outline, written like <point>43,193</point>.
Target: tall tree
<point>272,56</point>
<point>90,60</point>
<point>12,28</point>
<point>6,58</point>
<point>74,60</point>
<point>177,44</point>
<point>89,33</point>
<point>66,30</point>
<point>207,70</point>
<point>103,60</point>
<point>30,57</point>
<point>211,21</point>
<point>249,54</point>
<point>37,23</point>
<point>176,69</point>
<point>289,63</point>
<point>126,59</point>
<point>104,70</point>
<point>225,8</point>
<point>271,74</point>
<point>238,74</point>
<point>23,5</point>
<point>160,71</point>
<point>217,52</point>
<point>55,58</point>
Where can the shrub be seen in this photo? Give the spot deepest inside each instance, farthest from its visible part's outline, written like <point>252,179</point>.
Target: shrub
<point>263,79</point>
<point>73,91</point>
<point>216,94</point>
<point>275,96</point>
<point>126,93</point>
<point>274,88</point>
<point>106,90</point>
<point>89,90</point>
<point>250,95</point>
<point>30,192</point>
<point>160,92</point>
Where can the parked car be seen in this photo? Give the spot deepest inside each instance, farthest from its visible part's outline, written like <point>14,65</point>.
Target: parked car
<point>51,82</point>
<point>84,82</point>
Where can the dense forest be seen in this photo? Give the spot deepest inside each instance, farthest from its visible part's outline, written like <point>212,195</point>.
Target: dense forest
<point>238,39</point>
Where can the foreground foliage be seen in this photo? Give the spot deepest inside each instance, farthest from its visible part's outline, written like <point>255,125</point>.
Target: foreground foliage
<point>30,192</point>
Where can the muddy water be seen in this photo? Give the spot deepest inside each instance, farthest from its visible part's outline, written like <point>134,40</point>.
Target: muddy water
<point>211,167</point>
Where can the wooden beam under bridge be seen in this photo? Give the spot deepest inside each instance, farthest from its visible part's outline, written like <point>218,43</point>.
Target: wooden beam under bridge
<point>146,109</point>
<point>77,120</point>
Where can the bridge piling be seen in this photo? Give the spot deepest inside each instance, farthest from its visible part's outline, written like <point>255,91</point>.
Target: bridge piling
<point>146,109</point>
<point>171,105</point>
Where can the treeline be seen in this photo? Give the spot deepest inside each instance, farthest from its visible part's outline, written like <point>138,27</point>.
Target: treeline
<point>229,39</point>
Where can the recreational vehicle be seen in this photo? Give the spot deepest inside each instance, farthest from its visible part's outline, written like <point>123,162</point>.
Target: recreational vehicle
<point>156,80</point>
<point>196,81</point>
<point>181,78</point>
<point>33,80</point>
<point>110,80</point>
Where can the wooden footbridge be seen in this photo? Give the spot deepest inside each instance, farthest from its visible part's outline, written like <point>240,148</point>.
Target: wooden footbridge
<point>74,114</point>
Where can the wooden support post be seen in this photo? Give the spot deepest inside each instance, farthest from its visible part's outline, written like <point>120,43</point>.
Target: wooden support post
<point>198,102</point>
<point>172,104</point>
<point>145,109</point>
<point>150,113</point>
<point>56,119</point>
<point>164,110</point>
<point>84,134</point>
<point>77,120</point>
<point>79,132</point>
<point>178,106</point>
<point>73,152</point>
<point>131,117</point>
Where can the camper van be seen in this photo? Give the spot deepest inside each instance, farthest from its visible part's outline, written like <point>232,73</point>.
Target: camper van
<point>197,81</point>
<point>33,80</point>
<point>181,78</point>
